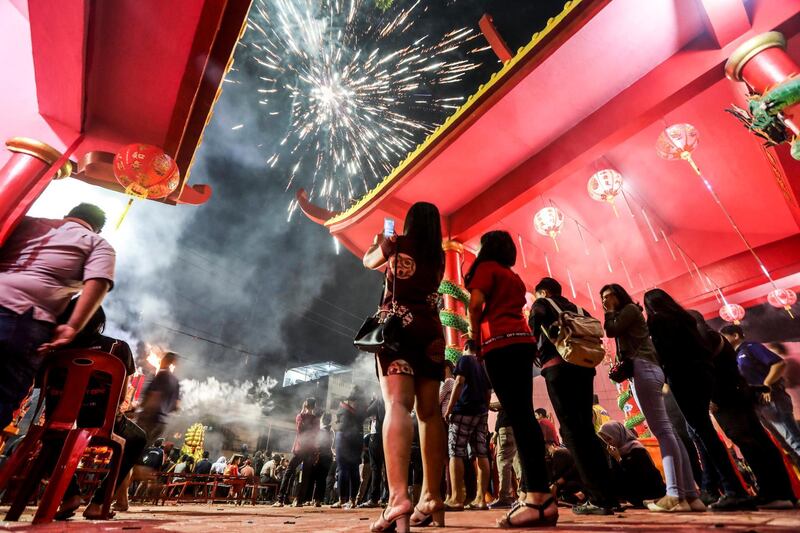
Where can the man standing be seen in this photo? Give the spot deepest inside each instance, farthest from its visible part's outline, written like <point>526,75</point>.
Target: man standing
<point>468,415</point>
<point>43,264</point>
<point>303,450</point>
<point>161,397</point>
<point>376,410</point>
<point>570,388</point>
<point>763,368</point>
<point>507,459</point>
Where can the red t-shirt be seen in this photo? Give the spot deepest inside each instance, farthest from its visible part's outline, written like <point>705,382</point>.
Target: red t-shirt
<point>502,323</point>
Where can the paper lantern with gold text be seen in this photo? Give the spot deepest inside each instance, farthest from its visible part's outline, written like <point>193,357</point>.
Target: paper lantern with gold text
<point>145,171</point>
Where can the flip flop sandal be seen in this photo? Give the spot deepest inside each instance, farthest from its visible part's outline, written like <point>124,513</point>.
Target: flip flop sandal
<point>540,521</point>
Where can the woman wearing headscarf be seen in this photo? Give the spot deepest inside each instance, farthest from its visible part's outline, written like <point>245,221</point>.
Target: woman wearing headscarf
<point>219,466</point>
<point>636,478</point>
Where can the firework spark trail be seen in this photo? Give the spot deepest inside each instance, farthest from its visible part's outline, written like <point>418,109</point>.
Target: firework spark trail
<point>359,102</point>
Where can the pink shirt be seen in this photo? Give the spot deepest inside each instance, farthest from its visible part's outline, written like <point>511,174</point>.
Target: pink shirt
<point>45,262</point>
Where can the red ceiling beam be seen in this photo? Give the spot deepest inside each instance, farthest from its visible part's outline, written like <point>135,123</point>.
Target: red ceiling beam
<point>678,79</point>
<point>58,41</point>
<point>726,20</point>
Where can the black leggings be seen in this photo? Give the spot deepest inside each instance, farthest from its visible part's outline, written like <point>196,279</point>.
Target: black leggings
<point>510,370</point>
<point>693,395</point>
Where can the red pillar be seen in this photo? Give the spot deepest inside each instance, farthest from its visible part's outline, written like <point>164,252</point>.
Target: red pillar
<point>23,176</point>
<point>453,256</point>
<point>762,63</point>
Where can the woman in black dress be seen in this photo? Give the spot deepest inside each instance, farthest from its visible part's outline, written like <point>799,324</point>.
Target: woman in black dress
<point>410,377</point>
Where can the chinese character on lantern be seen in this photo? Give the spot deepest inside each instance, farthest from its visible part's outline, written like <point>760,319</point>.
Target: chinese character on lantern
<point>604,186</point>
<point>677,141</point>
<point>548,222</point>
<point>732,313</point>
<point>145,171</point>
<point>784,298</point>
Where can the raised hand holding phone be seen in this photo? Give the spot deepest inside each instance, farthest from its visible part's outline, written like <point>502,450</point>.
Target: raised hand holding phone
<point>388,227</point>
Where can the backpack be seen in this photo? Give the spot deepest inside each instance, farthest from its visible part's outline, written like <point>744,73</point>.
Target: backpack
<point>579,340</point>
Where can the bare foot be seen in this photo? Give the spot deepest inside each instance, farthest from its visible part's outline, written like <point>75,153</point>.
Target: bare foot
<point>397,508</point>
<point>68,507</point>
<point>93,511</point>
<point>428,505</point>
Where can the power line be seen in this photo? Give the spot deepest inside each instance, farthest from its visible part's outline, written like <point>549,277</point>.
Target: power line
<point>332,321</point>
<point>348,334</point>
<point>204,339</point>
<point>339,308</point>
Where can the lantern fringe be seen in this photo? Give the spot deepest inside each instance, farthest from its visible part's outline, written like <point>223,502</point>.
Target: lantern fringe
<point>124,214</point>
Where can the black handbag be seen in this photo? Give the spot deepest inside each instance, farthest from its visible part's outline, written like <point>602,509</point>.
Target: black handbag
<point>381,331</point>
<point>622,369</point>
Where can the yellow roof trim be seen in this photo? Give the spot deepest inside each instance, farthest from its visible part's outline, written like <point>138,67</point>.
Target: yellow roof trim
<point>467,106</point>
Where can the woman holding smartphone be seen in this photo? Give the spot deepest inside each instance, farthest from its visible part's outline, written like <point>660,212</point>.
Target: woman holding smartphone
<point>411,375</point>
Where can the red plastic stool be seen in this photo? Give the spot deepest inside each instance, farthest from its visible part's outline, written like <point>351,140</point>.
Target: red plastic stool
<point>62,424</point>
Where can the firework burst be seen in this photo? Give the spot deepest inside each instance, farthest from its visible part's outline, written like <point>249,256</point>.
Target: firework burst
<point>363,87</point>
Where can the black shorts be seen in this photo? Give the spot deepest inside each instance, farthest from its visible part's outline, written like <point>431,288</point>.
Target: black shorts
<point>421,351</point>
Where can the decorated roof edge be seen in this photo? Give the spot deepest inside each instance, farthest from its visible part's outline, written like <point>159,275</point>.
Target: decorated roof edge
<point>508,67</point>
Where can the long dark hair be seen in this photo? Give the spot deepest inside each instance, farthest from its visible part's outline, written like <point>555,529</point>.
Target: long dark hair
<point>423,225</point>
<point>659,302</point>
<point>496,246</point>
<point>621,294</point>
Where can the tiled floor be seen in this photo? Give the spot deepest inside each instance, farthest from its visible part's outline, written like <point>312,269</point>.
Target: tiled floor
<point>230,519</point>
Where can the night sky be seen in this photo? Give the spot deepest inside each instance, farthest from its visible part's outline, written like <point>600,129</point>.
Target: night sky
<point>231,285</point>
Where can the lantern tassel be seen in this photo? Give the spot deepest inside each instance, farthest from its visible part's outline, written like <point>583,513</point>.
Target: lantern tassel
<point>124,214</point>
<point>789,310</point>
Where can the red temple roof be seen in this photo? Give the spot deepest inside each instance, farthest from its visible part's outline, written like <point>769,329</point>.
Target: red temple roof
<point>120,72</point>
<point>594,90</point>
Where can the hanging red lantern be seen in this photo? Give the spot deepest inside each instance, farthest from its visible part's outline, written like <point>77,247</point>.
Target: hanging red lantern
<point>732,313</point>
<point>784,298</point>
<point>145,171</point>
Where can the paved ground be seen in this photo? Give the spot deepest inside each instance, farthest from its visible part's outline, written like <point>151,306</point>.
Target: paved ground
<point>231,519</point>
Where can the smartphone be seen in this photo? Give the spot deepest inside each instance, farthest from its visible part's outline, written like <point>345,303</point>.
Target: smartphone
<point>388,227</point>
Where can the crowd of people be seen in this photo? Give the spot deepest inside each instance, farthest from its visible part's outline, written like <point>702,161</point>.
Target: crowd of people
<point>682,374</point>
<point>423,446</point>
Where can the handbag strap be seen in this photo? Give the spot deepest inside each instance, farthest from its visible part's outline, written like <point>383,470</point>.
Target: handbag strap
<point>386,282</point>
